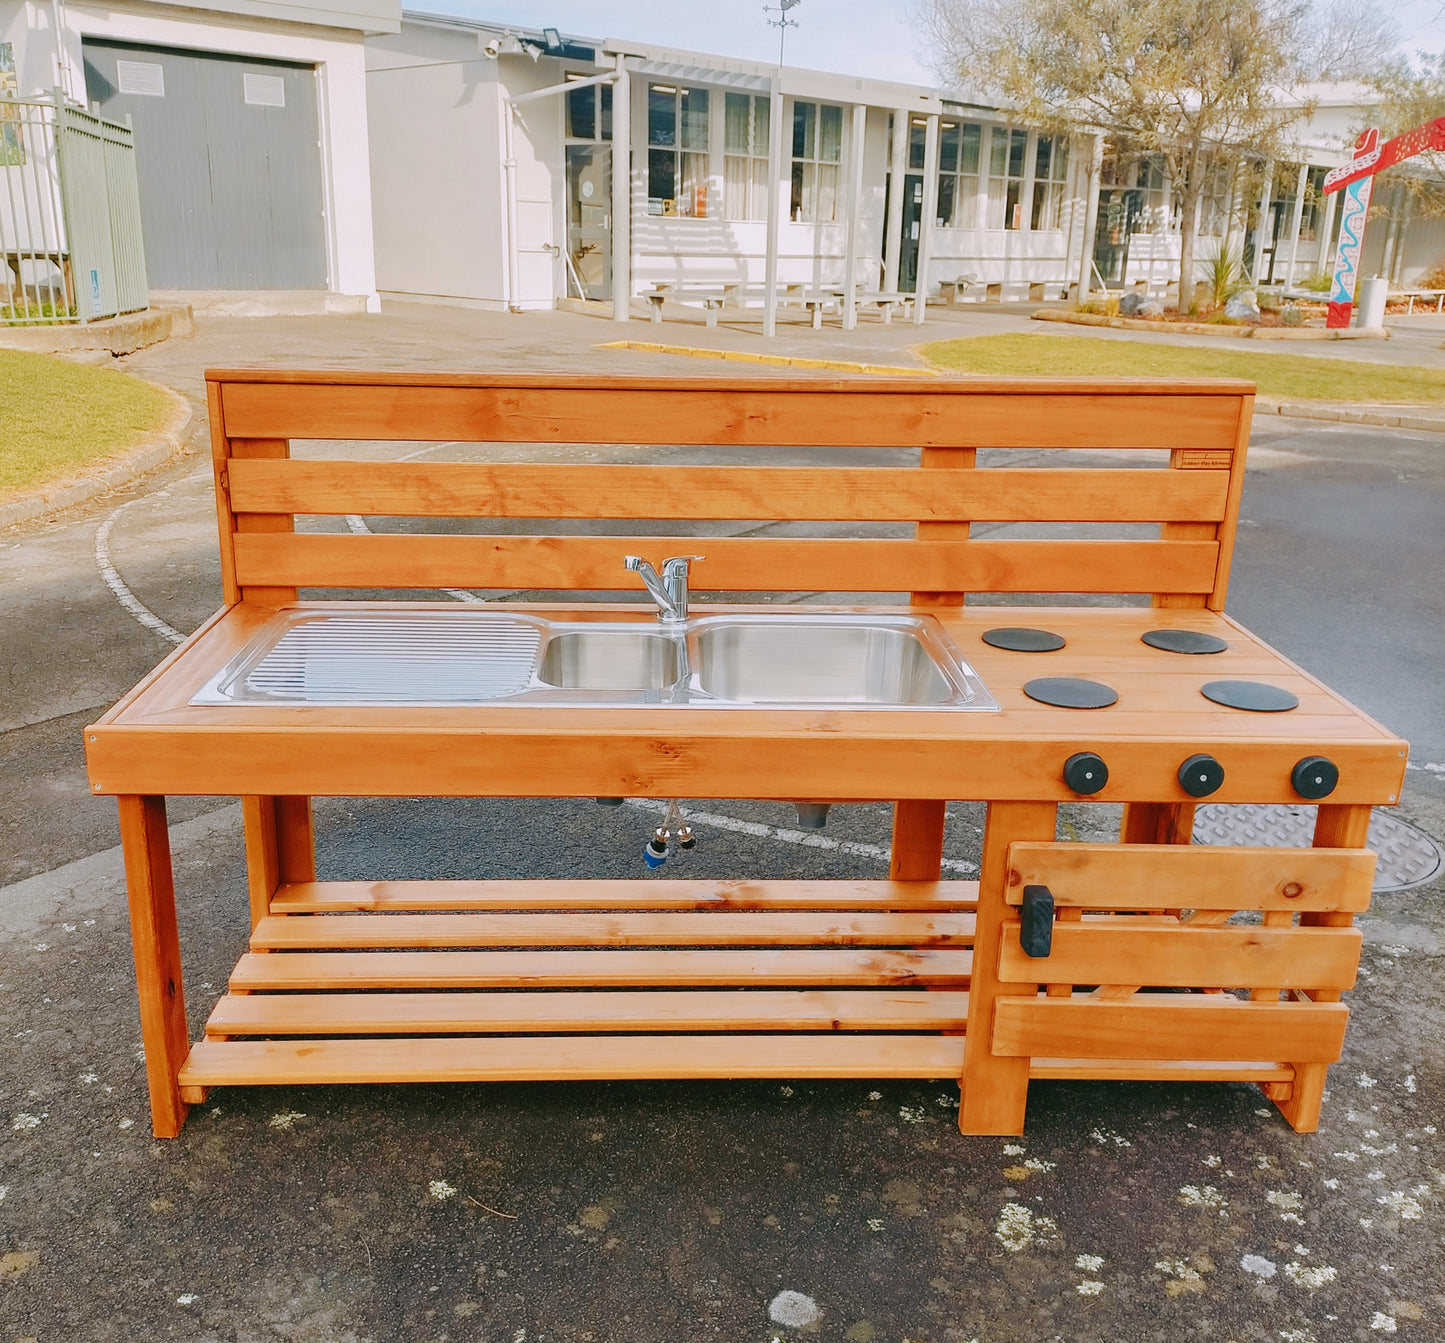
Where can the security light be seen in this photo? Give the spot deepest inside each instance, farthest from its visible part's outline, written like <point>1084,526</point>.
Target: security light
<point>552,38</point>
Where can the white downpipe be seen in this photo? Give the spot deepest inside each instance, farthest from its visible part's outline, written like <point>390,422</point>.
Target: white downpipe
<point>1299,214</point>
<point>775,176</point>
<point>1091,217</point>
<point>855,210</point>
<point>622,193</point>
<point>1266,198</point>
<point>925,220</point>
<point>509,169</point>
<point>897,172</point>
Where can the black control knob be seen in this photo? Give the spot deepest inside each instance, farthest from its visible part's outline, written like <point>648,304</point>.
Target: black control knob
<point>1085,772</point>
<point>1201,775</point>
<point>1315,777</point>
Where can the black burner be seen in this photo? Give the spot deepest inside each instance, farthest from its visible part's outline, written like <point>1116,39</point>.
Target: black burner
<point>1255,695</point>
<point>1020,639</point>
<point>1184,641</point>
<point>1069,692</point>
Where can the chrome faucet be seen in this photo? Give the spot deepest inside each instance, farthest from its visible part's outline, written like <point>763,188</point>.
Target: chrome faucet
<point>669,590</point>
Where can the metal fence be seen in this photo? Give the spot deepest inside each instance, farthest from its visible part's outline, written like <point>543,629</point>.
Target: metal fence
<point>70,229</point>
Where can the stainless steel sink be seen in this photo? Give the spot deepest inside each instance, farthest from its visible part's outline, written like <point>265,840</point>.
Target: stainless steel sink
<point>611,657</point>
<point>798,660</point>
<point>787,660</point>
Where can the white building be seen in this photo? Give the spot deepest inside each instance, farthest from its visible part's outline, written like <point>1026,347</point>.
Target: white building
<point>251,128</point>
<point>530,214</point>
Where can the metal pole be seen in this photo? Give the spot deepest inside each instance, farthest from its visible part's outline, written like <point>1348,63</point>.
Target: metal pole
<point>897,170</point>
<point>622,194</point>
<point>1327,228</point>
<point>775,175</point>
<point>855,210</point>
<point>925,220</point>
<point>509,169</point>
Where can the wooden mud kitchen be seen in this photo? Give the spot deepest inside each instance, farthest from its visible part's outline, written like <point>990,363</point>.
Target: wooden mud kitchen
<point>1150,957</point>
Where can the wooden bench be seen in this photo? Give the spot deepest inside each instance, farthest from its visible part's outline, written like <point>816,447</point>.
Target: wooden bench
<point>907,975</point>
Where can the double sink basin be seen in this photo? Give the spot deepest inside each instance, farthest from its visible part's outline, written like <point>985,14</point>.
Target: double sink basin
<point>467,656</point>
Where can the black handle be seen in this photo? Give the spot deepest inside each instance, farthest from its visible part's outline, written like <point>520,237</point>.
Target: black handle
<point>1036,921</point>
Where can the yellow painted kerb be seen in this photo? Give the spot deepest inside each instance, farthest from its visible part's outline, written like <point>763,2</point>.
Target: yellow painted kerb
<point>789,361</point>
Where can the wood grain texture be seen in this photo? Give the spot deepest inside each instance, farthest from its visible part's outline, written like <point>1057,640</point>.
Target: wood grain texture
<point>1116,951</point>
<point>651,929</point>
<point>339,897</point>
<point>570,1058</point>
<point>579,1011</point>
<point>1157,876</point>
<point>995,1089</point>
<point>145,845</point>
<point>1151,1026</point>
<point>1022,413</point>
<point>795,967</point>
<point>917,850</point>
<point>825,494</point>
<point>278,562</point>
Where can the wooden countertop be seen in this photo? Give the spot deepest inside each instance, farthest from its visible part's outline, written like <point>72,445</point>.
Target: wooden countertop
<point>154,741</point>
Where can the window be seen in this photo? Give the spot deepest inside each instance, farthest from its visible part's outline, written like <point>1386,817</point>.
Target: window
<point>1150,179</point>
<point>1051,171</point>
<point>1006,178</point>
<point>1312,215</point>
<point>958,156</point>
<point>676,151</point>
<point>1214,201</point>
<point>589,113</point>
<point>745,156</point>
<point>817,151</point>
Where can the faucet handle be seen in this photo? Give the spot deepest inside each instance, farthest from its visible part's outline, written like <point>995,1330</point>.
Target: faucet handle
<point>635,563</point>
<point>676,562</point>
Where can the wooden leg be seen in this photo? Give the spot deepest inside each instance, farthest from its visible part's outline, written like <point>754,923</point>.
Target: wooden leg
<point>1157,823</point>
<point>1336,827</point>
<point>995,1089</point>
<point>917,841</point>
<point>280,847</point>
<point>145,843</point>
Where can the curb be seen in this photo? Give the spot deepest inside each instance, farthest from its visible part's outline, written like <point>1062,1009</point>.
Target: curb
<point>1304,410</point>
<point>119,335</point>
<point>790,361</point>
<point>1214,328</point>
<point>111,474</point>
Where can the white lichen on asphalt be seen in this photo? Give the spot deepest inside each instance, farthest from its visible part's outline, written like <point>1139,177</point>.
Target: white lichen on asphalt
<point>1258,1265</point>
<point>1090,1288</point>
<point>1018,1228</point>
<point>1404,1207</point>
<point>1310,1276</point>
<point>1384,1323</point>
<point>440,1189</point>
<point>1207,1196</point>
<point>794,1310</point>
<point>286,1119</point>
<point>24,1122</point>
<point>1090,1263</point>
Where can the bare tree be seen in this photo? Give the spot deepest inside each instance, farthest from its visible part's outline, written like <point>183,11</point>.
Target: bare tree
<point>1189,80</point>
<point>1411,95</point>
<point>1348,39</point>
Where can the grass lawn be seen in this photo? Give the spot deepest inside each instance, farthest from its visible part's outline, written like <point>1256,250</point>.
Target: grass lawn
<point>1290,376</point>
<point>56,416</point>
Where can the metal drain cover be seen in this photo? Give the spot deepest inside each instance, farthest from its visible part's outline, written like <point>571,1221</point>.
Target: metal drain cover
<point>1408,856</point>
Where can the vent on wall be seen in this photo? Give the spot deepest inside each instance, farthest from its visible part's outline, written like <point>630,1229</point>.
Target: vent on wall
<point>265,90</point>
<point>144,78</point>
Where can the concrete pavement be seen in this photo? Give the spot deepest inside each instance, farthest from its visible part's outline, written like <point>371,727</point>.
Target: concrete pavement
<point>663,1212</point>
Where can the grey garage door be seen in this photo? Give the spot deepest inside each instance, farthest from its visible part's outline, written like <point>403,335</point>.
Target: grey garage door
<point>229,163</point>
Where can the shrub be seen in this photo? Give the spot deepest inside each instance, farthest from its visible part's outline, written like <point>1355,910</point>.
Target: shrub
<point>1434,278</point>
<point>1223,274</point>
<point>1317,284</point>
<point>1291,315</point>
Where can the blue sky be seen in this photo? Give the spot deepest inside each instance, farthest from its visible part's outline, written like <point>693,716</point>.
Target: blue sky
<point>858,37</point>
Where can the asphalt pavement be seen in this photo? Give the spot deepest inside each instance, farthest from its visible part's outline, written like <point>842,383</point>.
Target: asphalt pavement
<point>648,1213</point>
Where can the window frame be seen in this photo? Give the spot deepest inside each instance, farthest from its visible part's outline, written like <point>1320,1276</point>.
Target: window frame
<point>811,175</point>
<point>688,151</point>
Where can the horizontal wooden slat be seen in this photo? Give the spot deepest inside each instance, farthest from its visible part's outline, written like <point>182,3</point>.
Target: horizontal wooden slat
<point>589,490</point>
<point>1200,876</point>
<point>736,564</point>
<point>1019,413</point>
<point>1169,1070</point>
<point>1150,1026</point>
<point>1109,951</point>
<point>652,929</point>
<point>514,1012</point>
<point>595,969</point>
<point>570,1058</point>
<point>334,897</point>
